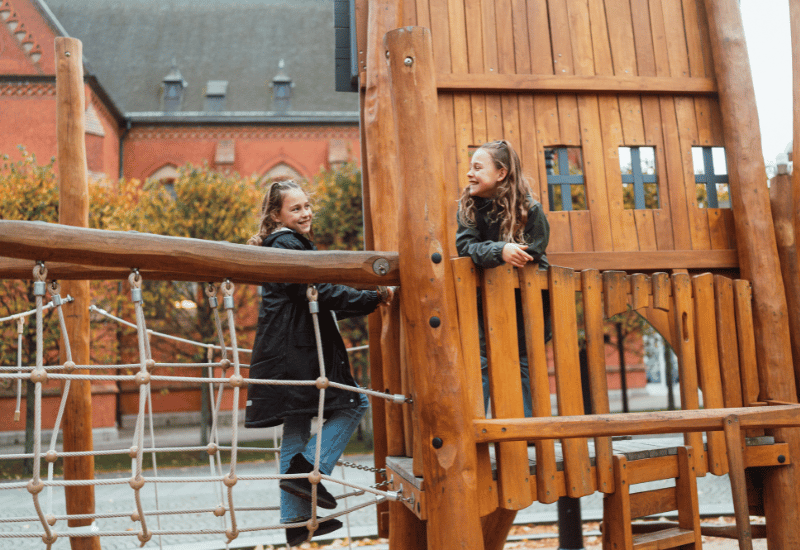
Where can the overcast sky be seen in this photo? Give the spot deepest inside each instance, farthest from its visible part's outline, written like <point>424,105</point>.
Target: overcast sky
<point>766,27</point>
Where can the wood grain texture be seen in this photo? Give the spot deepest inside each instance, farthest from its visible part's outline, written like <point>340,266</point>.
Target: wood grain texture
<point>441,406</point>
<point>74,211</point>
<point>571,83</point>
<point>577,469</point>
<point>129,249</point>
<point>530,282</point>
<point>505,383</point>
<point>727,342</point>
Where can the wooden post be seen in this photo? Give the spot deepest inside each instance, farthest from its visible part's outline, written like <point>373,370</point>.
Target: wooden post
<point>442,409</point>
<point>758,253</point>
<point>783,218</point>
<point>794,22</point>
<point>74,210</point>
<point>380,161</point>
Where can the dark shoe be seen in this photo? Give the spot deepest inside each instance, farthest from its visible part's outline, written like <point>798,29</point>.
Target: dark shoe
<point>298,535</point>
<point>302,487</point>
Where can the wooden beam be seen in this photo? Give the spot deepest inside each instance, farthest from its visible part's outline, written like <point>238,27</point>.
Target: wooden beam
<point>441,407</point>
<point>212,259</point>
<point>660,422</point>
<point>482,82</point>
<point>74,211</point>
<point>661,260</point>
<point>758,254</point>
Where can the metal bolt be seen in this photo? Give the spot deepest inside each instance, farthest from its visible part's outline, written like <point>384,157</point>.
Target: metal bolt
<point>781,459</point>
<point>387,54</point>
<point>435,322</point>
<point>436,257</point>
<point>66,54</point>
<point>380,266</point>
<point>408,61</point>
<point>437,442</point>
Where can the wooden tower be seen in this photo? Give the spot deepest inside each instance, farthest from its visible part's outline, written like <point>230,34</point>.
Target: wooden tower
<point>575,85</point>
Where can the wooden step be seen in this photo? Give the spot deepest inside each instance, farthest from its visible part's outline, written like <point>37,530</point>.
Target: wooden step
<point>661,540</point>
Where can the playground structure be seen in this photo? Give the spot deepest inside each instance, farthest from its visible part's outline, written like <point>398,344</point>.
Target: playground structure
<point>599,75</point>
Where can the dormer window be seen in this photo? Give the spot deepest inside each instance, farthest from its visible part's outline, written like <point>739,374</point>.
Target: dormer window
<point>173,86</point>
<point>216,91</point>
<point>282,90</point>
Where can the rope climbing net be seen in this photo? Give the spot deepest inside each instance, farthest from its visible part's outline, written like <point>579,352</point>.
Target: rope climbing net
<point>142,494</point>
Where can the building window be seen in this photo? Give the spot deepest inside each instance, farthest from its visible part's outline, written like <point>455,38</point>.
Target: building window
<point>637,166</point>
<point>711,177</point>
<point>173,85</point>
<point>565,183</point>
<point>216,92</point>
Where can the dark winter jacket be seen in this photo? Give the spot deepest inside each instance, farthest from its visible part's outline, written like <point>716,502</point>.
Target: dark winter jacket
<point>482,243</point>
<point>285,346</point>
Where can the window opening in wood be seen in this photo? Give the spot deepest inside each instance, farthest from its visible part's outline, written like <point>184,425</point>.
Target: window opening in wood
<point>711,177</point>
<point>565,183</point>
<point>639,183</point>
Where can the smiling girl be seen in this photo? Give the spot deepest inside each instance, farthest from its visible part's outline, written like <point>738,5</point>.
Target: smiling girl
<point>286,349</point>
<point>499,222</point>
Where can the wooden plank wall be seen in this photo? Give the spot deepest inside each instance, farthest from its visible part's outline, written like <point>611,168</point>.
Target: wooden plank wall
<point>665,40</point>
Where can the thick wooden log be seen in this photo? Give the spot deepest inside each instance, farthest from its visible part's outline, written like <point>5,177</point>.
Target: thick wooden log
<point>758,255</point>
<point>442,409</point>
<point>214,260</point>
<point>783,217</point>
<point>643,423</point>
<point>74,211</point>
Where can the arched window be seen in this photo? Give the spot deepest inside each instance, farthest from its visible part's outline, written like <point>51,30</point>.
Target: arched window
<point>281,171</point>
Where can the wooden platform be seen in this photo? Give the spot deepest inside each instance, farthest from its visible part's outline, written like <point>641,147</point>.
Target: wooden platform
<point>760,451</point>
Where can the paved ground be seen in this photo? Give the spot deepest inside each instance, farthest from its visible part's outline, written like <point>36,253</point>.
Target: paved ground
<point>260,496</point>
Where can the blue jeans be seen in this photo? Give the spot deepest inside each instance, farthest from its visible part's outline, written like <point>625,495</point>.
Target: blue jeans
<point>336,432</point>
<point>526,384</point>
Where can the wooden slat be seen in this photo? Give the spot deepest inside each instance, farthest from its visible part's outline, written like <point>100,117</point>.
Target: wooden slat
<point>717,228</point>
<point>652,469</point>
<point>615,293</point>
<point>440,35</point>
<point>617,508</point>
<point>459,56</point>
<point>580,37</point>
<point>566,82</point>
<point>640,291</point>
<point>462,110</point>
<point>686,491</point>
<point>522,47</point>
<point>727,342</point>
<point>579,481</point>
<point>675,32</point>
<point>656,501</point>
<point>705,325</point>
<point>510,106</point>
<point>656,422</point>
<point>560,233</point>
<point>748,367</point>
<point>448,143</point>
<point>504,20</point>
<point>601,47</point>
<point>633,261</point>
<point>580,222</point>
<point>547,489</point>
<point>490,60</point>
<point>643,38</point>
<point>674,176</point>
<point>528,148</point>
<point>620,220</point>
<point>505,383</point>
<point>667,538</point>
<point>466,280</point>
<point>661,291</point>
<point>591,289</point>
<point>646,229</point>
<point>651,115</point>
<point>687,132</point>
<point>687,364</point>
<point>474,36</point>
<point>733,439</point>
<point>594,170</point>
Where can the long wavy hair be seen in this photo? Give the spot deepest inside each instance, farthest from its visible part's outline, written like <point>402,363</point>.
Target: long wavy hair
<point>511,202</point>
<point>270,208</point>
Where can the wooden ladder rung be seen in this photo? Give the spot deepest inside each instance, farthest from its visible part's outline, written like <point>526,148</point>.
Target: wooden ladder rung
<point>660,540</point>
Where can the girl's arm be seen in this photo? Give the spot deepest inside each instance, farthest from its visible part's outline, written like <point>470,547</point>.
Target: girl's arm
<point>346,301</point>
<point>537,232</point>
<point>484,253</point>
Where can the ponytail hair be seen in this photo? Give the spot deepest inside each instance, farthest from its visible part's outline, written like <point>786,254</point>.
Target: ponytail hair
<point>511,202</point>
<point>271,207</point>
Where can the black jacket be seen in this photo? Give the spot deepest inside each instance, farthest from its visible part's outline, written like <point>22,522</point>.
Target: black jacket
<point>482,243</point>
<point>285,347</point>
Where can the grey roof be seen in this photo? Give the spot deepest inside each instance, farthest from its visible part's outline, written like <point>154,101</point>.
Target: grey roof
<point>130,46</point>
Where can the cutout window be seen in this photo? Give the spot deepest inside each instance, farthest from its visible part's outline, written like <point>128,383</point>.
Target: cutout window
<point>639,183</point>
<point>565,183</point>
<point>711,177</point>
